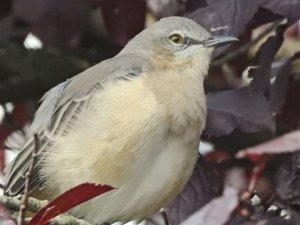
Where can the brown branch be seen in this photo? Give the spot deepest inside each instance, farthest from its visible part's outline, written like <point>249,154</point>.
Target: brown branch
<point>245,47</point>
<point>34,205</point>
<point>28,176</point>
<point>165,217</point>
<point>14,203</point>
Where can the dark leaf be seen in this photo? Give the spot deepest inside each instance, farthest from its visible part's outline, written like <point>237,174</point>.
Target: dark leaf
<point>238,140</point>
<point>164,8</point>
<point>274,221</point>
<point>191,5</point>
<point>289,142</point>
<point>288,8</point>
<point>280,87</point>
<point>9,30</point>
<point>263,16</point>
<point>227,17</point>
<point>217,211</point>
<point>5,8</point>
<point>34,74</point>
<point>290,114</point>
<point>287,179</point>
<point>55,22</point>
<point>30,73</point>
<point>123,19</point>
<point>241,109</point>
<point>266,55</point>
<point>205,184</point>
<point>68,200</point>
<point>265,220</point>
<point>232,17</point>
<point>246,109</point>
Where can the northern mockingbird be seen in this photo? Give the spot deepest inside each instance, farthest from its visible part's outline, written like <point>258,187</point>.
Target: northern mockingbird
<point>132,122</point>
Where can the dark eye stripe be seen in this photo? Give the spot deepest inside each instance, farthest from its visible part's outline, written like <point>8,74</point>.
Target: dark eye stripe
<point>190,41</point>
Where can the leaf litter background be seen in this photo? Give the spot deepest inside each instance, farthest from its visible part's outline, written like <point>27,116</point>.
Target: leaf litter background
<point>252,173</point>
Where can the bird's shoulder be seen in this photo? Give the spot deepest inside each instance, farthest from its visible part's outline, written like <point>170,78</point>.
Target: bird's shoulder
<point>61,106</point>
<point>82,86</point>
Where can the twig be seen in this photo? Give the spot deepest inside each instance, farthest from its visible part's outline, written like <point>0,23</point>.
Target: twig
<point>28,175</point>
<point>164,216</point>
<point>13,203</point>
<point>34,205</point>
<point>257,172</point>
<point>68,220</point>
<point>246,46</point>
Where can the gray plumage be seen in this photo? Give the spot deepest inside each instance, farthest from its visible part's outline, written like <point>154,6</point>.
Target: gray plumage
<point>60,105</point>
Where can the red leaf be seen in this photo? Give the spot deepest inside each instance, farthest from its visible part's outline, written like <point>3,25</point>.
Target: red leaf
<point>257,172</point>
<point>68,200</point>
<point>217,156</point>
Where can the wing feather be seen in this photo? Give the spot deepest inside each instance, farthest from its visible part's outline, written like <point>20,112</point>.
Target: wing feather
<point>59,111</point>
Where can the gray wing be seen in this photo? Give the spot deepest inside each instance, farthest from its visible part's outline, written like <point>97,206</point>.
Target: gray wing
<point>59,109</point>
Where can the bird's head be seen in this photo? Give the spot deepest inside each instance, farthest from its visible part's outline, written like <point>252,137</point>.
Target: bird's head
<point>176,42</point>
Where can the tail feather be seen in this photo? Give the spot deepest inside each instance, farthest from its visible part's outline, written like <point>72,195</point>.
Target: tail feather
<point>16,170</point>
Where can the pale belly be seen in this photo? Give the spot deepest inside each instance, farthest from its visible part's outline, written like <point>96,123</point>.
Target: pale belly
<point>128,146</point>
<point>147,190</point>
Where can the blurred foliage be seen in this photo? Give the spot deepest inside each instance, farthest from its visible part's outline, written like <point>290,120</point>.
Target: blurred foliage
<point>244,109</point>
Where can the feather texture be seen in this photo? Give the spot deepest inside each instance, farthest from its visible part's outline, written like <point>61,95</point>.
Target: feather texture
<point>59,109</point>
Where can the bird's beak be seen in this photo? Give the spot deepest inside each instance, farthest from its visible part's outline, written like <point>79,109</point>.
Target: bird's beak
<point>217,41</point>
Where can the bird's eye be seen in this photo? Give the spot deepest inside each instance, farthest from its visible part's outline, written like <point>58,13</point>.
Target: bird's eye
<point>176,39</point>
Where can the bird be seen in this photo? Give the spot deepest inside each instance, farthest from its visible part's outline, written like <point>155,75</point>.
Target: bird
<point>132,122</point>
